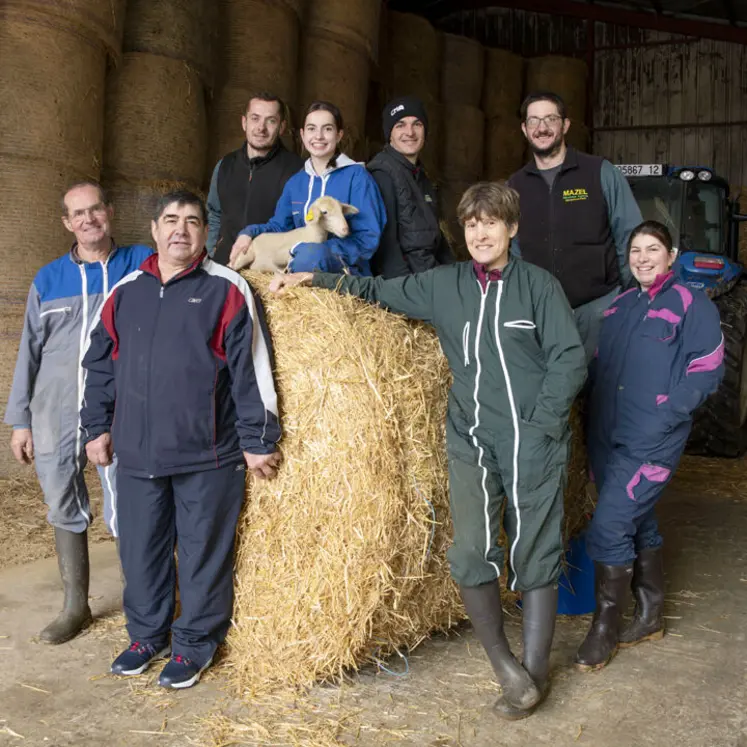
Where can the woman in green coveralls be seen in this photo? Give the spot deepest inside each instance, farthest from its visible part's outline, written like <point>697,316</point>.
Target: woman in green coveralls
<point>517,362</point>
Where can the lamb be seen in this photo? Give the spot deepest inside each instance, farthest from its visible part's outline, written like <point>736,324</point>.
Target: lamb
<point>271,252</point>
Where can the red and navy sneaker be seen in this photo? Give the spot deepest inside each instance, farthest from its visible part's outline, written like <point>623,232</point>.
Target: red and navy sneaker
<point>181,672</point>
<point>137,658</point>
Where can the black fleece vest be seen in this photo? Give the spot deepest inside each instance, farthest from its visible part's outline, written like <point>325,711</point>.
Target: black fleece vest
<point>417,219</point>
<point>566,229</point>
<point>249,190</point>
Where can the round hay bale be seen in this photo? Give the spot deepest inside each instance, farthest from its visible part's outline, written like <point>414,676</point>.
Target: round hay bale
<point>504,147</point>
<point>259,46</point>
<point>297,6</point>
<point>342,557</point>
<point>181,29</point>
<point>462,70</point>
<point>51,94</point>
<point>578,136</point>
<point>156,125</point>
<point>333,71</point>
<point>432,155</point>
<point>463,134</point>
<point>98,20</point>
<point>134,206</point>
<point>450,193</point>
<point>503,85</point>
<point>354,22</point>
<point>414,59</point>
<point>565,76</point>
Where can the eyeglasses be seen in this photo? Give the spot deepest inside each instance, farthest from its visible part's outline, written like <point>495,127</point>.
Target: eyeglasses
<point>551,119</point>
<point>78,216</point>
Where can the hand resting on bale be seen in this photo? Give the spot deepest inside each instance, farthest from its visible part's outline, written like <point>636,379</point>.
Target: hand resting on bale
<point>263,466</point>
<point>280,283</point>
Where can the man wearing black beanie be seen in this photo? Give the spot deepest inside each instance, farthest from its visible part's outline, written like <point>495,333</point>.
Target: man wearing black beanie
<point>412,240</point>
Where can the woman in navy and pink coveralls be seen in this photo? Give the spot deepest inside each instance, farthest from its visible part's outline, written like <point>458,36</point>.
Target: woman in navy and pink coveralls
<point>660,355</point>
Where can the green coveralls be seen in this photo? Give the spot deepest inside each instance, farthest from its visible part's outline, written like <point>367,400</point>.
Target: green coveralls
<point>517,362</point>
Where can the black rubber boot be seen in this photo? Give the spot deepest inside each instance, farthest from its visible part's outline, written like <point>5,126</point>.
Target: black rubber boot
<point>72,557</point>
<point>648,590</point>
<point>540,608</point>
<point>612,591</point>
<point>483,605</point>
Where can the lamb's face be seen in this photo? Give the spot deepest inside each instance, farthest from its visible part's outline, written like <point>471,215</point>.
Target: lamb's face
<point>331,213</point>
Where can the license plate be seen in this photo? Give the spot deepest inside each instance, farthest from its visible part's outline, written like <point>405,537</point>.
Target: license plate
<point>641,169</point>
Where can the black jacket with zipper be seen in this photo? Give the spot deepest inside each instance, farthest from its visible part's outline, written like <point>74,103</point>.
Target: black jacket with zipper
<point>245,191</point>
<point>412,240</point>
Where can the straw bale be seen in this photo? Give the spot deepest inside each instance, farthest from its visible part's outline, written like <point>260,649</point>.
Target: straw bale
<point>332,71</point>
<point>562,75</point>
<point>299,7</point>
<point>354,22</point>
<point>578,137</point>
<point>414,59</point>
<point>462,70</point>
<point>450,192</point>
<point>134,206</point>
<point>100,21</point>
<point>504,147</point>
<point>504,83</point>
<point>259,46</point>
<point>463,134</point>
<point>51,93</point>
<point>344,553</point>
<point>182,29</point>
<point>341,558</point>
<point>156,125</point>
<point>432,155</point>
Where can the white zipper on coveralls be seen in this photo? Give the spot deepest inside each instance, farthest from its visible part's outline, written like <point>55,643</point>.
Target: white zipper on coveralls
<point>486,497</point>
<point>515,420</point>
<point>81,379</point>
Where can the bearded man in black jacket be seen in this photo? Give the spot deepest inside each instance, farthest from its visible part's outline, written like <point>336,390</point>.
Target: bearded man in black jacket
<point>248,182</point>
<point>412,240</point>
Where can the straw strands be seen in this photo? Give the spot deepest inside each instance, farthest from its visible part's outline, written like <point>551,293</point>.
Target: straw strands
<point>342,556</point>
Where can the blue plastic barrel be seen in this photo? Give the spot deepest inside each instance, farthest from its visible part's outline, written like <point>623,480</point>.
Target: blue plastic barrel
<point>576,585</point>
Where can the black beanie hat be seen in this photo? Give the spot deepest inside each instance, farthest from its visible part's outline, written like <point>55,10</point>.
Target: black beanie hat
<point>403,106</point>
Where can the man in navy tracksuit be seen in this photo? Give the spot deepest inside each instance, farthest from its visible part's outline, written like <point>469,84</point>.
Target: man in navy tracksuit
<point>182,356</point>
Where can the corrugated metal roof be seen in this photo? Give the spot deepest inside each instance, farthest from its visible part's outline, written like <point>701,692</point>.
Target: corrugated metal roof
<point>724,11</point>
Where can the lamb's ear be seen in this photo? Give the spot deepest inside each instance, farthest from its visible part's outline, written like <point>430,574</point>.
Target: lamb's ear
<point>349,209</point>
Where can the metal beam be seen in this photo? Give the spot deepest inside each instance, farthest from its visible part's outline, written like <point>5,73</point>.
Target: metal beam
<point>729,10</point>
<point>706,29</point>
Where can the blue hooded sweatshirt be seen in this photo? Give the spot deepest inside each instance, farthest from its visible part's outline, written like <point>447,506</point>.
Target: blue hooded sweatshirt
<point>347,182</point>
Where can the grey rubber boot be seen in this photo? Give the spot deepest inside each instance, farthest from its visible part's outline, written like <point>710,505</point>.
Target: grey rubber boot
<point>72,558</point>
<point>483,605</point>
<point>612,591</point>
<point>648,590</point>
<point>540,609</point>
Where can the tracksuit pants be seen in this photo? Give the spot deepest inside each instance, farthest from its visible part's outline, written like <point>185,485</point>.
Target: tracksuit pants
<point>624,521</point>
<point>62,481</point>
<point>486,491</point>
<point>196,513</point>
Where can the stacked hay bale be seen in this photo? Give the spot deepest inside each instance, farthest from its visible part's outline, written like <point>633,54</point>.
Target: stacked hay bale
<point>565,76</point>
<point>52,74</point>
<point>501,100</point>
<point>341,559</point>
<point>413,67</point>
<point>156,125</point>
<point>258,52</point>
<point>340,39</point>
<point>462,75</point>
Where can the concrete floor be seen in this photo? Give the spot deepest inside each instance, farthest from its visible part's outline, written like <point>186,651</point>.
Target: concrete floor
<point>689,690</point>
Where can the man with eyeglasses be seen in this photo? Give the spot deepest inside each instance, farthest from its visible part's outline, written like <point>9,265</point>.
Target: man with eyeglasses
<point>577,213</point>
<point>45,399</point>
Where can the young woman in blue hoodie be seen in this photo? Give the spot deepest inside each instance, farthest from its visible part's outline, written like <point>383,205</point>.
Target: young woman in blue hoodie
<point>327,172</point>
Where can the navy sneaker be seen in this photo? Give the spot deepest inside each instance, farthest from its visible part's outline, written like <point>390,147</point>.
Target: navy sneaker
<point>137,658</point>
<point>181,672</point>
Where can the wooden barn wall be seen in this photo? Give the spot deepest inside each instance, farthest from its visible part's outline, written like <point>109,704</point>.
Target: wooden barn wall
<point>671,100</point>
<point>656,97</point>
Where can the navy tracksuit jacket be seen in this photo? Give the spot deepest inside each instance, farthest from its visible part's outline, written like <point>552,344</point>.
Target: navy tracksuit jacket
<point>660,355</point>
<point>180,374</point>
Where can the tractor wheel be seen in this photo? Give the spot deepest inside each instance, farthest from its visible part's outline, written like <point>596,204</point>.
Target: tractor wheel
<point>720,426</point>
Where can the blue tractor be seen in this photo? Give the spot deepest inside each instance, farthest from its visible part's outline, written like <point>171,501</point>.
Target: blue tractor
<point>694,203</point>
